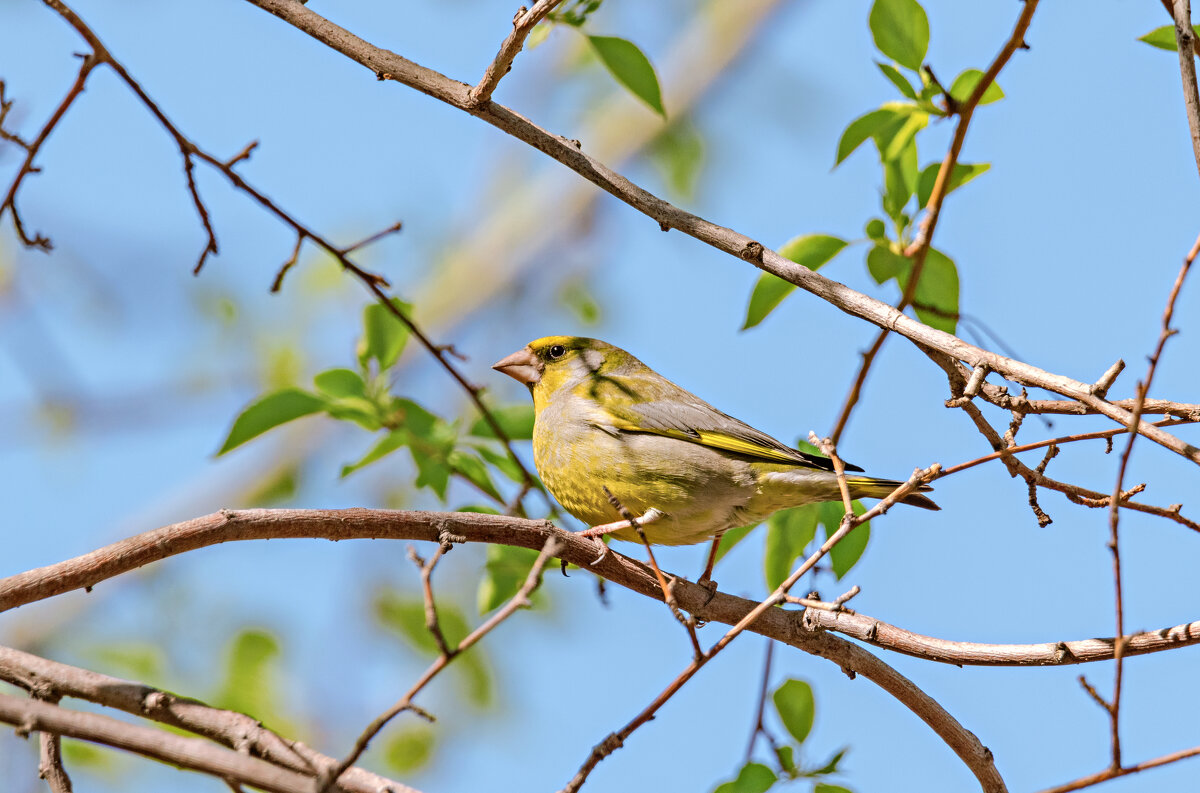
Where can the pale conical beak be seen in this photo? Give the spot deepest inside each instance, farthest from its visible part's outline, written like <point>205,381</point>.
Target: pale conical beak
<point>522,366</point>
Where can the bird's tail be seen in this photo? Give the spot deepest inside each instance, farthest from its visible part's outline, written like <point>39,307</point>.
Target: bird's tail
<point>870,487</point>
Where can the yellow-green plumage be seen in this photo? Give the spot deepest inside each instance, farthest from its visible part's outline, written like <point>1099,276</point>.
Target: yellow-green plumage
<point>606,420</point>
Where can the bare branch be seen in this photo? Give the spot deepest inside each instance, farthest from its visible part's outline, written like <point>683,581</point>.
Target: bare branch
<point>523,23</point>
<point>946,651</point>
<point>1113,773</point>
<point>1185,45</point>
<point>229,728</point>
<point>195,753</point>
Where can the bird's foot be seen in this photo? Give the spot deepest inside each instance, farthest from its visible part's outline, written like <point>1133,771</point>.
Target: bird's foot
<point>711,586</point>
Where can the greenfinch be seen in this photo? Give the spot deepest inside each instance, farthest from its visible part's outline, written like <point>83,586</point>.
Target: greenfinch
<point>607,423</point>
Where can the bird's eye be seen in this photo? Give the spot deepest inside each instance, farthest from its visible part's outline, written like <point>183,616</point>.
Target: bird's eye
<point>557,351</point>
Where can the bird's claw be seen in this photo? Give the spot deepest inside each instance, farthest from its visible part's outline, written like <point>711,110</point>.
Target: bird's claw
<point>603,552</point>
<point>709,585</point>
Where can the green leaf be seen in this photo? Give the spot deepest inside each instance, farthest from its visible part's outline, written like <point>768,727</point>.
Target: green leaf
<point>631,68</point>
<point>81,754</point>
<point>474,471</point>
<point>965,83</point>
<point>866,126</point>
<point>821,787</point>
<point>502,462</point>
<point>794,702</point>
<point>829,768</point>
<point>515,420</point>
<point>1164,37</point>
<point>846,553</point>
<point>251,676</point>
<point>753,778</point>
<point>810,250</point>
<point>963,173</point>
<point>901,31</point>
<point>360,410</point>
<point>769,292</point>
<point>894,140</point>
<point>788,531</point>
<point>340,383</point>
<point>730,539</point>
<point>900,180</point>
<point>504,573</point>
<point>409,748</point>
<point>383,447</point>
<point>576,295</point>
<point>678,153</point>
<point>897,79</point>
<point>787,758</point>
<point>431,441</point>
<point>876,230</point>
<point>143,661</point>
<point>278,407</point>
<point>384,335</point>
<point>884,263</point>
<point>936,296</point>
<point>406,616</point>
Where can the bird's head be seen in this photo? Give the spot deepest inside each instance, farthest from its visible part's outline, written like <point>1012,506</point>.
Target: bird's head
<point>551,363</point>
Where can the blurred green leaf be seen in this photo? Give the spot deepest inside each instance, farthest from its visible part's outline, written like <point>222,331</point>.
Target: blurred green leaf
<point>406,616</point>
<point>884,264</point>
<point>631,68</point>
<point>384,336</point>
<point>576,12</point>
<point>788,531</point>
<point>82,754</point>
<point>577,296</point>
<point>936,296</point>
<point>897,79</point>
<point>278,407</point>
<point>794,702</point>
<point>279,486</point>
<point>821,787</point>
<point>383,447</point>
<point>515,420</point>
<point>142,661</point>
<point>787,758</point>
<point>963,173</point>
<point>876,230</point>
<point>340,383</point>
<point>1164,37</point>
<point>965,84</point>
<point>252,676</point>
<point>810,250</point>
<point>895,140</point>
<point>360,410</point>
<point>409,748</point>
<point>753,778</point>
<point>678,152</point>
<point>901,31</point>
<point>504,573</point>
<point>474,471</point>
<point>502,462</point>
<point>846,553</point>
<point>829,768</point>
<point>732,538</point>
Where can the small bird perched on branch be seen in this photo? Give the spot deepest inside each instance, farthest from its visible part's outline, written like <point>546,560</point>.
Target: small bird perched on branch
<point>606,422</point>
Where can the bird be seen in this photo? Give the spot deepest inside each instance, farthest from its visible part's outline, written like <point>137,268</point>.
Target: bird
<point>612,434</point>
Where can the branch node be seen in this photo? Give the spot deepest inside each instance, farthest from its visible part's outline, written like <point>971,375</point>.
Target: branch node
<point>752,252</point>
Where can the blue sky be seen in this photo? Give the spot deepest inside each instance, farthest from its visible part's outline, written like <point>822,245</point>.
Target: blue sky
<point>1067,247</point>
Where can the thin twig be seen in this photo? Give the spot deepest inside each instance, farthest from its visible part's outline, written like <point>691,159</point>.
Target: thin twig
<point>1113,773</point>
<point>919,249</point>
<point>760,727</point>
<point>1185,45</point>
<point>523,23</point>
<point>518,601</point>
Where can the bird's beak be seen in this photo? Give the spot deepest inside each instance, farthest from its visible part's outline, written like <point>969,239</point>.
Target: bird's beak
<point>522,366</point>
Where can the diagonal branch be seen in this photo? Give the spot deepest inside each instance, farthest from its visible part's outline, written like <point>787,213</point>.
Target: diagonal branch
<point>229,728</point>
<point>390,66</point>
<point>29,715</point>
<point>523,23</point>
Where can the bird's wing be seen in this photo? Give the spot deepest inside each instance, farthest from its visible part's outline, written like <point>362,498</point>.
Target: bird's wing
<point>682,415</point>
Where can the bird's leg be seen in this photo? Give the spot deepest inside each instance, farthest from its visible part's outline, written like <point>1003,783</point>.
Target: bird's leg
<point>706,579</point>
<point>607,528</point>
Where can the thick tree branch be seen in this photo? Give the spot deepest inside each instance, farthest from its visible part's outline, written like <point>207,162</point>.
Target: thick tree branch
<point>229,728</point>
<point>29,715</point>
<point>390,66</point>
<point>1185,45</point>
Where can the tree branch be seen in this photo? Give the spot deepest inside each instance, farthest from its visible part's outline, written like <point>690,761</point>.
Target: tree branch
<point>390,66</point>
<point>28,715</point>
<point>523,23</point>
<point>229,728</point>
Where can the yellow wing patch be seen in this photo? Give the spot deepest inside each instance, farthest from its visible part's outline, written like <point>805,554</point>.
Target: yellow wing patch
<point>721,441</point>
